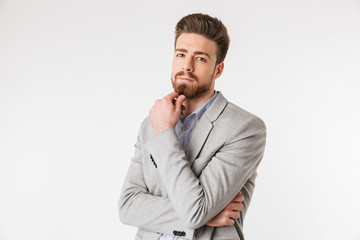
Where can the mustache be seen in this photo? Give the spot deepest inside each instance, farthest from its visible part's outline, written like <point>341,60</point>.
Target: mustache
<point>189,75</point>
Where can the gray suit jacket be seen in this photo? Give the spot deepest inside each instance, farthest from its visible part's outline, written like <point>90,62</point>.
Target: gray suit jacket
<point>169,191</point>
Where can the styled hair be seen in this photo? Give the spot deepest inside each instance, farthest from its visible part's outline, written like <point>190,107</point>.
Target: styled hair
<point>207,26</point>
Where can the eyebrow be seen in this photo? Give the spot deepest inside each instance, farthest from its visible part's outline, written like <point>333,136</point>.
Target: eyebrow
<point>196,52</point>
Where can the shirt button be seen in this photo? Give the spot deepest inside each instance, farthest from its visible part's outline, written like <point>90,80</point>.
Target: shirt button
<point>184,128</point>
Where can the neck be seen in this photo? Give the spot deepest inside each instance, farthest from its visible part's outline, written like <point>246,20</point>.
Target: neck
<point>192,104</point>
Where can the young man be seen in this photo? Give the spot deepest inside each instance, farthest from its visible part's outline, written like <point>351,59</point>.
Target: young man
<point>194,168</point>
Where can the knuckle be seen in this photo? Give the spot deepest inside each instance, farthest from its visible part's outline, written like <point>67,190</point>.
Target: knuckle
<point>237,206</point>
<point>229,213</point>
<point>222,221</point>
<point>227,221</point>
<point>231,222</point>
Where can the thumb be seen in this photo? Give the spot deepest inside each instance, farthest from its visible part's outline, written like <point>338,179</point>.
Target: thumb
<point>179,103</point>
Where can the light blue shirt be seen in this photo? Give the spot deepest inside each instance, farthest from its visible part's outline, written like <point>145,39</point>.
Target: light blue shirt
<point>186,126</point>
<point>184,130</point>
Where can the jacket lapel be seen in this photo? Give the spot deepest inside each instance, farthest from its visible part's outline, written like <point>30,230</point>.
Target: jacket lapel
<point>204,128</point>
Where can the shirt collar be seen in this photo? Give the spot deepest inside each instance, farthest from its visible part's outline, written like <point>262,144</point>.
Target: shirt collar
<point>202,109</point>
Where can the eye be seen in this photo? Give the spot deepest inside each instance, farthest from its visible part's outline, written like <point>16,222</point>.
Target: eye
<point>180,55</point>
<point>201,59</point>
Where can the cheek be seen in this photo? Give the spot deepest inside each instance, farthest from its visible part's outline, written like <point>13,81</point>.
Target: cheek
<point>206,72</point>
<point>175,67</point>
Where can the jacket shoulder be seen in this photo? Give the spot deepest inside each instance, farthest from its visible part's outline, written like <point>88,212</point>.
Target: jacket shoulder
<point>235,116</point>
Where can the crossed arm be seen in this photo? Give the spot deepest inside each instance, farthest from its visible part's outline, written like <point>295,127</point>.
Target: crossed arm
<point>203,204</point>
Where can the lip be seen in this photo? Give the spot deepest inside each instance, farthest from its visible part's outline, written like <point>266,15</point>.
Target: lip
<point>185,79</point>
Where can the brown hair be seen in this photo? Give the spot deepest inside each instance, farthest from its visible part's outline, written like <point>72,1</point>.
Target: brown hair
<point>209,27</point>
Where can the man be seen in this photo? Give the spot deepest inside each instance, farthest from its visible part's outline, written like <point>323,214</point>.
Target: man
<point>194,168</point>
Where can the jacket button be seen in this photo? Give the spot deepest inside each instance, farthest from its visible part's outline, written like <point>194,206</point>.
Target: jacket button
<point>179,233</point>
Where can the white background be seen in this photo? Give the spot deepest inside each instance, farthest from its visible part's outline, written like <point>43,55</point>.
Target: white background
<point>78,77</point>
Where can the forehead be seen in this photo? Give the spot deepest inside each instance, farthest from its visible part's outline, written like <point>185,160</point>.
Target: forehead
<point>195,42</point>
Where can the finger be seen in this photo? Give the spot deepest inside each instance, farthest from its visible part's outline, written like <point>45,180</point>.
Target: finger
<point>179,102</point>
<point>234,215</point>
<point>229,222</point>
<point>171,96</point>
<point>238,195</point>
<point>238,198</point>
<point>240,208</point>
<point>235,206</point>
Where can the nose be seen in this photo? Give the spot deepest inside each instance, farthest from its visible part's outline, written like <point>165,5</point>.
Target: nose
<point>188,65</point>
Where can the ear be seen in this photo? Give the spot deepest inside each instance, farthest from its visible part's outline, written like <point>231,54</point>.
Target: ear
<point>219,69</point>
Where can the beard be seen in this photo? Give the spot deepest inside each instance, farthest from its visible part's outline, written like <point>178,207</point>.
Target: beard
<point>191,90</point>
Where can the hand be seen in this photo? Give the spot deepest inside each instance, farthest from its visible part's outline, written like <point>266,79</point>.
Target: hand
<point>229,213</point>
<point>165,113</point>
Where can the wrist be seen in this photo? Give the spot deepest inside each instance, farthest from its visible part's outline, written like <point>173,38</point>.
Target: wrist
<point>158,130</point>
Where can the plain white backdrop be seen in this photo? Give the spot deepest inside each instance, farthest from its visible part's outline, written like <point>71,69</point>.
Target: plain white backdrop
<point>78,77</point>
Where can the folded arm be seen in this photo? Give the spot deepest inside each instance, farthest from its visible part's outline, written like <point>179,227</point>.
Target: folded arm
<point>192,200</point>
<point>198,200</point>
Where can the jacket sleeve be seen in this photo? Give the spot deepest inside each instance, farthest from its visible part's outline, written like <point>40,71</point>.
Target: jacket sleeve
<point>137,207</point>
<point>198,200</point>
